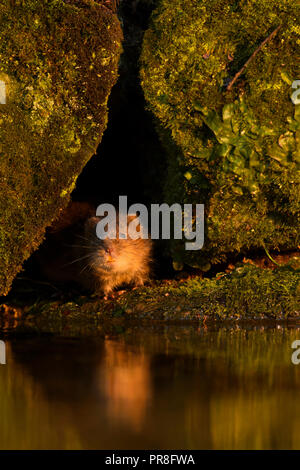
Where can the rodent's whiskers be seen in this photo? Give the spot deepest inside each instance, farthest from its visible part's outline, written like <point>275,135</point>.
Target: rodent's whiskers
<point>90,255</point>
<point>91,242</point>
<point>79,246</point>
<point>88,265</point>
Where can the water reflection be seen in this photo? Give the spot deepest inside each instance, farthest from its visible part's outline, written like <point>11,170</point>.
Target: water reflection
<point>125,378</point>
<point>158,387</point>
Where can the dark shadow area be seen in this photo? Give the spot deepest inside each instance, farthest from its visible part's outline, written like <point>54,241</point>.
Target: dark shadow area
<point>130,159</point>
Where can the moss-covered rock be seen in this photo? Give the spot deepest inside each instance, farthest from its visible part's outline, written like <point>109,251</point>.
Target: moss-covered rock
<point>59,61</point>
<point>247,292</point>
<point>233,145</point>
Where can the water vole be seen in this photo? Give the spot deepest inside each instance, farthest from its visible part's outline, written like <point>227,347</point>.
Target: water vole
<point>113,262</point>
<point>75,253</point>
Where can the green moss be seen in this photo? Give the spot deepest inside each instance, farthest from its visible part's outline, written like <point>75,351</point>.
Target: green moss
<point>247,293</point>
<point>59,61</point>
<point>237,151</point>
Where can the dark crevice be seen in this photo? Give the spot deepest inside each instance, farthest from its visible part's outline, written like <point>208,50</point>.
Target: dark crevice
<point>130,159</point>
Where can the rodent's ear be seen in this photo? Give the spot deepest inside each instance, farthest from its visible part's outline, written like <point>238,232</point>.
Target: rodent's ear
<point>90,225</point>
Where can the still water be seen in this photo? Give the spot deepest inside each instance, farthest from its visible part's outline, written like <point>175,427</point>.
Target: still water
<point>157,387</point>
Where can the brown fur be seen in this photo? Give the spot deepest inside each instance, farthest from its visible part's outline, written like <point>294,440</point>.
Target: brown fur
<point>77,254</point>
<point>114,262</point>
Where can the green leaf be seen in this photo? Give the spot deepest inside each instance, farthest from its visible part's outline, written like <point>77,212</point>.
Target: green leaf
<point>254,159</point>
<point>243,106</point>
<point>228,111</point>
<point>236,159</point>
<point>213,121</point>
<point>244,149</point>
<point>264,131</point>
<point>203,153</point>
<point>198,107</point>
<point>277,154</point>
<point>286,78</point>
<point>237,190</point>
<point>223,149</point>
<point>287,142</point>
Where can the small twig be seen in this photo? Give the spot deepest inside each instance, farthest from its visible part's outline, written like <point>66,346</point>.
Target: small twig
<point>239,73</point>
<point>269,256</point>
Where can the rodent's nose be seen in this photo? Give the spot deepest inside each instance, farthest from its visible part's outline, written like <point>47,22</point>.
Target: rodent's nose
<point>108,255</point>
<point>109,258</point>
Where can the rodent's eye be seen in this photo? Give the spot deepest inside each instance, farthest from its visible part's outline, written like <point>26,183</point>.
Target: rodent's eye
<point>107,250</point>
